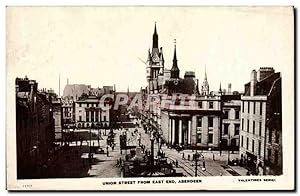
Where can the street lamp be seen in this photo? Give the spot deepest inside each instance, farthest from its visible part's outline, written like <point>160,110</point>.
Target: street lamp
<point>152,148</point>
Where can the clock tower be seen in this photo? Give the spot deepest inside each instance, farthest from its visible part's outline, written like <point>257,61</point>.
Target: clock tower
<point>155,64</point>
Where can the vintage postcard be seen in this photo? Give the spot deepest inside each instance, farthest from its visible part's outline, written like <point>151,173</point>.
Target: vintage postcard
<point>150,98</point>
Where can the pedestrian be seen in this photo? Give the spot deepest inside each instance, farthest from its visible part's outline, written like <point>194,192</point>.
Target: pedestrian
<point>113,146</point>
<point>213,157</point>
<point>176,163</point>
<point>107,154</point>
<point>183,156</point>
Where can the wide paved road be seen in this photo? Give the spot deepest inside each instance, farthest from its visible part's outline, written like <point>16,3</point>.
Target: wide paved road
<point>187,167</point>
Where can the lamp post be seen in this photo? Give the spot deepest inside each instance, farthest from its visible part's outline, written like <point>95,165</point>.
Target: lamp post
<point>90,153</point>
<point>229,145</point>
<point>196,162</point>
<point>152,149</point>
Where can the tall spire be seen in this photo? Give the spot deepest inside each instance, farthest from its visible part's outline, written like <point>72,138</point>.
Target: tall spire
<point>155,38</point>
<point>205,85</point>
<point>175,56</point>
<point>175,69</point>
<point>205,77</point>
<point>220,89</point>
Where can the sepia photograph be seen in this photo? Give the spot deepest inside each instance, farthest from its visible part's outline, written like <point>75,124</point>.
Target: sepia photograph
<point>150,98</point>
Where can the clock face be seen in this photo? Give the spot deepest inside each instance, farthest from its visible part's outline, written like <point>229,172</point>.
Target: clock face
<point>155,58</point>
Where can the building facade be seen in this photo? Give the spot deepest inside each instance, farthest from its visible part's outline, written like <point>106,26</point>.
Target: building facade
<point>193,124</point>
<point>68,112</point>
<point>231,108</point>
<point>260,138</point>
<point>89,113</point>
<point>34,128</point>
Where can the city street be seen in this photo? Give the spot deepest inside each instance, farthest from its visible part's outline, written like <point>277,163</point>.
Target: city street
<point>213,160</point>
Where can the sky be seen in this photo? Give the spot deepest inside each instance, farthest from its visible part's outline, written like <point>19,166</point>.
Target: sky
<point>102,45</point>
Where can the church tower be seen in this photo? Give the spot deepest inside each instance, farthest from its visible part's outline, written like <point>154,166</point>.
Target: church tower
<point>175,70</point>
<point>205,85</point>
<point>155,64</point>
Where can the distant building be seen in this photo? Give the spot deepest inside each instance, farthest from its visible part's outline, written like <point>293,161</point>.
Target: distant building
<point>261,126</point>
<point>88,112</point>
<point>68,112</point>
<point>74,91</point>
<point>231,108</point>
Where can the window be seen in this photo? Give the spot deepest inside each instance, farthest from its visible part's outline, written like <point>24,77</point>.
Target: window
<point>248,107</point>
<point>104,118</point>
<point>80,105</point>
<point>260,108</point>
<point>243,107</point>
<point>260,128</point>
<point>210,138</point>
<point>242,124</point>
<point>277,137</point>
<point>269,154</point>
<point>80,118</point>
<point>199,137</point>
<point>97,116</point>
<point>211,105</point>
<point>236,129</point>
<point>253,107</point>
<point>259,148</point>
<point>92,116</point>
<point>253,142</point>
<point>270,135</point>
<point>210,121</point>
<point>226,114</point>
<point>200,104</point>
<point>247,143</point>
<point>87,117</point>
<point>253,127</point>
<point>199,121</point>
<point>242,141</point>
<point>226,129</point>
<point>237,114</point>
<point>87,105</point>
<point>276,157</point>
<point>248,126</point>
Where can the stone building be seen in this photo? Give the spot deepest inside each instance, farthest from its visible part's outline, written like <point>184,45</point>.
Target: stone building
<point>261,131</point>
<point>231,108</point>
<point>34,128</point>
<point>68,112</point>
<point>196,123</point>
<point>88,112</point>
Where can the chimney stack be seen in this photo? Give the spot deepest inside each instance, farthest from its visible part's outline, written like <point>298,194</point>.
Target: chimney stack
<point>253,82</point>
<point>229,89</point>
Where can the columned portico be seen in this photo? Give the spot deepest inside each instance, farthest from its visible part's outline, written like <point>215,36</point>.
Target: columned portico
<point>170,131</point>
<point>180,132</point>
<point>173,131</point>
<point>189,131</point>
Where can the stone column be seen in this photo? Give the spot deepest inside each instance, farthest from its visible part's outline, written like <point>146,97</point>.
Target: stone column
<point>180,132</point>
<point>189,131</point>
<point>173,131</point>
